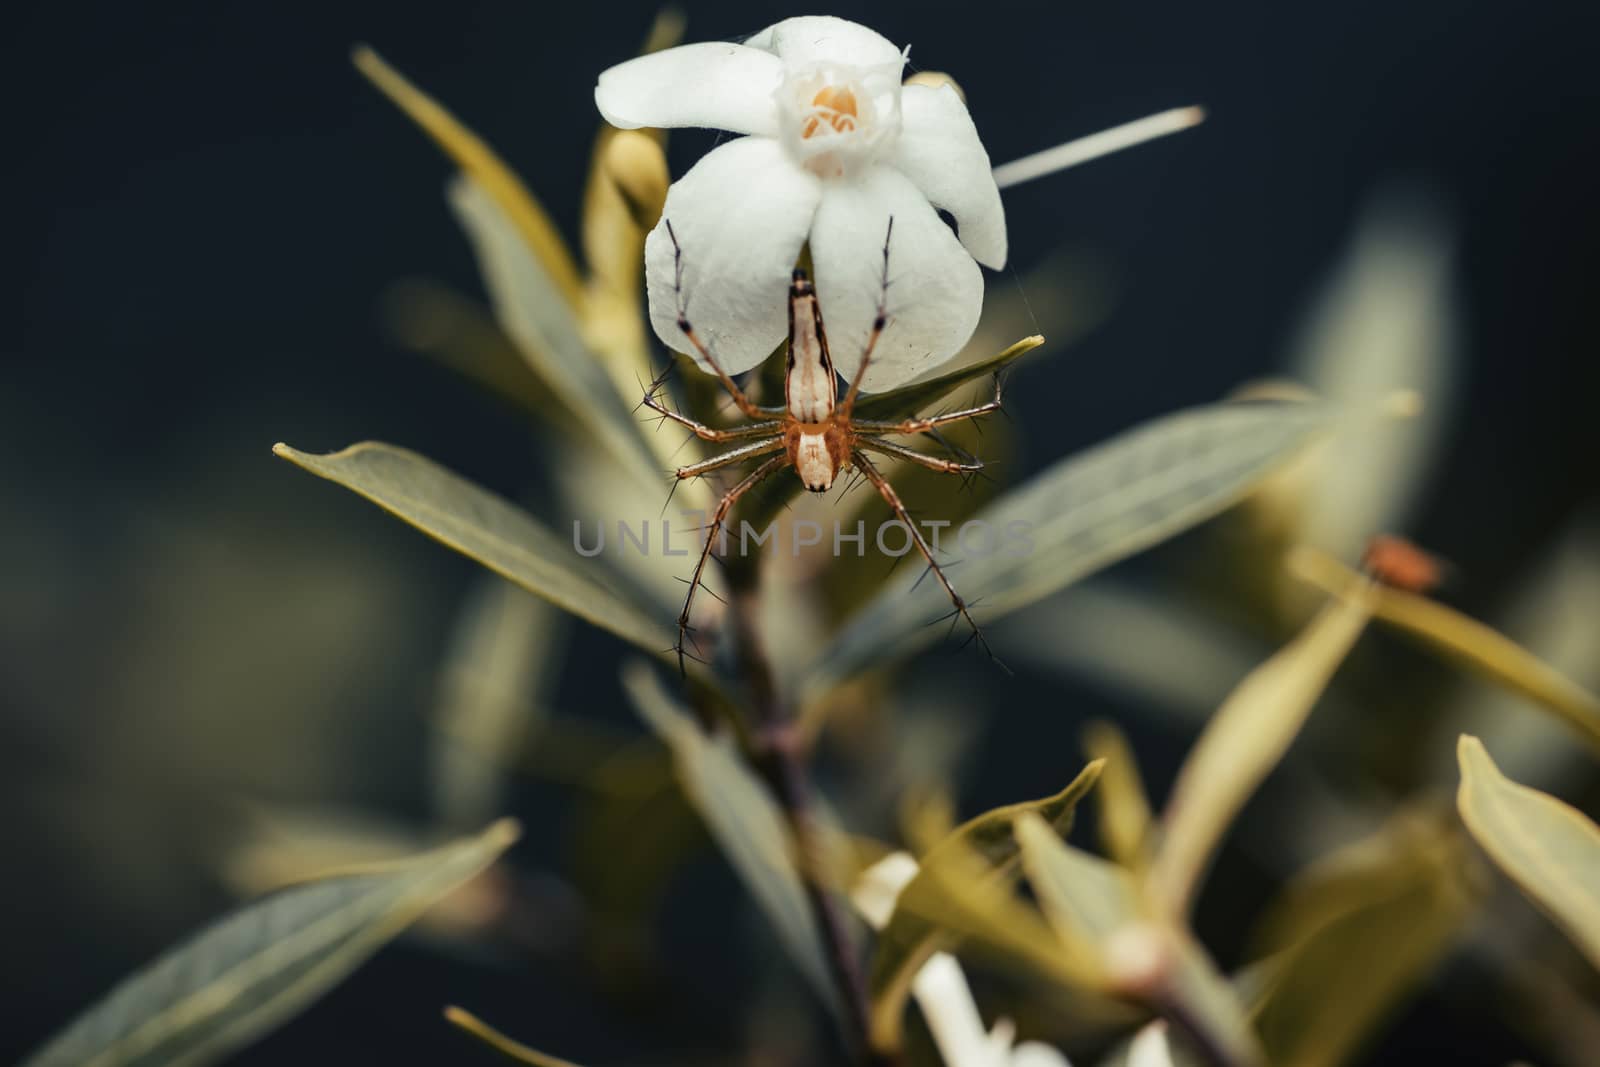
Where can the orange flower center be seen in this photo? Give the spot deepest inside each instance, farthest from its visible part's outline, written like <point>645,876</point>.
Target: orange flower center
<point>834,106</point>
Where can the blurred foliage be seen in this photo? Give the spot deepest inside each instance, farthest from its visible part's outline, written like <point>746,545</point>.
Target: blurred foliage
<point>1373,889</point>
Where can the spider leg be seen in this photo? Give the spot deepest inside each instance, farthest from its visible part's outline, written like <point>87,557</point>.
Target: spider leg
<point>933,463</point>
<point>893,500</point>
<point>730,457</point>
<point>746,405</point>
<point>707,433</point>
<point>718,517</point>
<point>932,422</point>
<point>879,321</point>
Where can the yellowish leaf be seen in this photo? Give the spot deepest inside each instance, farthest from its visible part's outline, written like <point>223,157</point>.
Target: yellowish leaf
<point>1098,912</point>
<point>1243,742</point>
<point>1087,899</point>
<point>1123,807</point>
<point>1356,933</point>
<point>508,1047</point>
<point>964,882</point>
<point>1549,848</point>
<point>1468,642</point>
<point>478,160</point>
<point>918,396</point>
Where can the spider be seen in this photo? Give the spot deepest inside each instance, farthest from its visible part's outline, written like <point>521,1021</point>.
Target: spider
<point>815,433</point>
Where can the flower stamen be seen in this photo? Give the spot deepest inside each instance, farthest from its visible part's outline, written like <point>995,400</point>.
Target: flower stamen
<point>834,106</point>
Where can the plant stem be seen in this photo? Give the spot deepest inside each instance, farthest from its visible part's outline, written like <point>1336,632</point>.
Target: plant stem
<point>778,753</point>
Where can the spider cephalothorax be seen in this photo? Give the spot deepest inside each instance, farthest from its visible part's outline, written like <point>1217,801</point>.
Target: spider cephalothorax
<point>814,432</point>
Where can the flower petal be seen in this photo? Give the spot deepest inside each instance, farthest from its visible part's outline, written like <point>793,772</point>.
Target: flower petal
<point>939,150</point>
<point>723,86</point>
<point>740,216</point>
<point>1036,1054</point>
<point>823,40</point>
<point>935,288</point>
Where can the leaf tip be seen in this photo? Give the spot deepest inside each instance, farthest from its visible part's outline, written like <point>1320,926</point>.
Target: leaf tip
<point>366,59</point>
<point>502,834</point>
<point>1473,759</point>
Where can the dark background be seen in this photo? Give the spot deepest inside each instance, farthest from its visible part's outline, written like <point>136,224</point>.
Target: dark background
<point>210,203</point>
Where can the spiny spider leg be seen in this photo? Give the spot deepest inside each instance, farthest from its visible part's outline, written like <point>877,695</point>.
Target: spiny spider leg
<point>910,426</point>
<point>707,433</point>
<point>879,321</point>
<point>746,405</point>
<point>712,529</point>
<point>933,463</point>
<point>730,457</point>
<point>893,500</point>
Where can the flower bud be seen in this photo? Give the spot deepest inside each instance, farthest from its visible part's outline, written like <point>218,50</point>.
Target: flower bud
<point>935,78</point>
<point>636,164</point>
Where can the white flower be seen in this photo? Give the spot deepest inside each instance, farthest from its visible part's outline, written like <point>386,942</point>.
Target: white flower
<point>941,988</point>
<point>836,146</point>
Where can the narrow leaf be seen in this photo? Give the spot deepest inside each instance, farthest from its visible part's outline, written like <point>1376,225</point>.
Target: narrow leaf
<point>547,332</point>
<point>1123,807</point>
<point>912,936</point>
<point>911,399</point>
<point>1356,934</point>
<point>1468,642</point>
<point>1085,513</point>
<point>486,528</point>
<point>1098,912</point>
<point>1243,742</point>
<point>255,969</point>
<point>478,160</point>
<point>1550,849</point>
<point>742,816</point>
<point>1087,899</point>
<point>508,1047</point>
<point>494,693</point>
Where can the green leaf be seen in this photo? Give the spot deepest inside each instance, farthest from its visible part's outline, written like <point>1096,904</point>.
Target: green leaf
<point>536,316</point>
<point>910,399</point>
<point>496,683</point>
<point>484,527</point>
<point>255,969</point>
<point>742,817</point>
<point>1468,642</point>
<point>1356,933</point>
<point>1550,849</point>
<point>1243,742</point>
<point>1080,515</point>
<point>1098,912</point>
<point>914,934</point>
<point>1087,899</point>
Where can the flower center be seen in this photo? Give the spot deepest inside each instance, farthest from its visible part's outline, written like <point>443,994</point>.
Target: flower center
<point>836,120</point>
<point>832,109</point>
